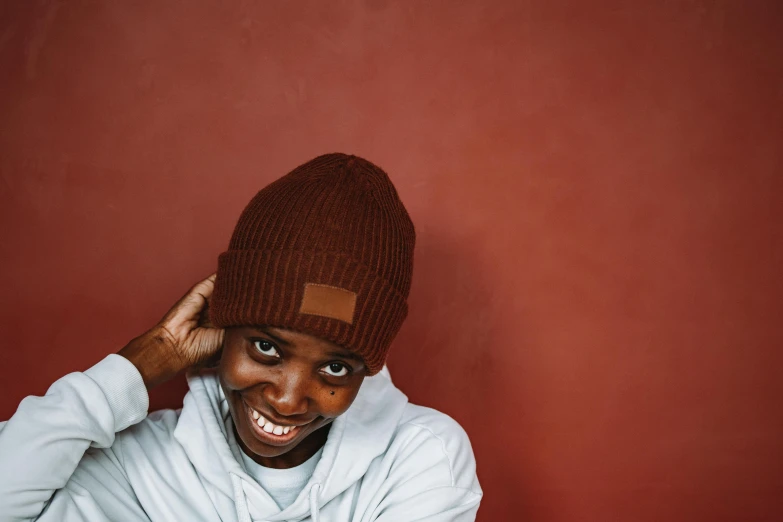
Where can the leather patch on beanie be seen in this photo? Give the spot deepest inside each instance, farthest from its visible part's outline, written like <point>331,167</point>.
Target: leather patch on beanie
<point>328,301</point>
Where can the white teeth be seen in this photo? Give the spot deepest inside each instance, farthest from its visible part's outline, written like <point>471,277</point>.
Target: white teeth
<point>270,427</point>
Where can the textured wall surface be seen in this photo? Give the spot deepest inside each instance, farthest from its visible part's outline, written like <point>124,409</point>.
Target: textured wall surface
<point>597,188</point>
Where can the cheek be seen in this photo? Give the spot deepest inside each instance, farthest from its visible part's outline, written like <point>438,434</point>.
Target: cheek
<point>236,370</point>
<point>337,404</point>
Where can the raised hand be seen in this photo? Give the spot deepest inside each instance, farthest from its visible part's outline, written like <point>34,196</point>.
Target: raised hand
<point>183,338</point>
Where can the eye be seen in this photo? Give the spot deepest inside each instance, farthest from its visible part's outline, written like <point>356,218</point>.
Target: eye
<point>336,369</point>
<point>266,348</point>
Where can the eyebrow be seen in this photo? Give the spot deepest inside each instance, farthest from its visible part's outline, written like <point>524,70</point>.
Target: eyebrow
<point>343,355</point>
<point>334,353</point>
<point>346,355</point>
<point>273,336</point>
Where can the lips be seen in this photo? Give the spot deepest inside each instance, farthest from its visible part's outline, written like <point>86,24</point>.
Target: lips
<point>269,432</point>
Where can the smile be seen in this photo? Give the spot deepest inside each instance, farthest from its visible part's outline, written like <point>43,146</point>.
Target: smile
<point>267,431</point>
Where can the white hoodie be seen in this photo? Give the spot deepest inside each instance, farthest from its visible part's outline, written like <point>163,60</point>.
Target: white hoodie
<point>88,451</point>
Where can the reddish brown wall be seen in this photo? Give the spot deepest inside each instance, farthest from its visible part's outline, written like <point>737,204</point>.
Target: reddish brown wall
<point>597,191</point>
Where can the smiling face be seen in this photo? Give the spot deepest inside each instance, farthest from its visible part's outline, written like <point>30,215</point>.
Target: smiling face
<point>284,388</point>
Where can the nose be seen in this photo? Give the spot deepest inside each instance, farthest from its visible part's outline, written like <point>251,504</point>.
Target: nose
<point>287,393</point>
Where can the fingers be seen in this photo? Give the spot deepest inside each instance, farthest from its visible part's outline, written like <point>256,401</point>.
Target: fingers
<point>205,287</point>
<point>197,299</point>
<point>211,349</point>
<point>204,319</point>
<point>194,301</point>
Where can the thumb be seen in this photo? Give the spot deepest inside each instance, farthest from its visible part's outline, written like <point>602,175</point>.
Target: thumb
<point>190,305</point>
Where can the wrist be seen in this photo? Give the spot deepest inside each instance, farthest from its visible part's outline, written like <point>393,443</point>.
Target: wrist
<point>151,354</point>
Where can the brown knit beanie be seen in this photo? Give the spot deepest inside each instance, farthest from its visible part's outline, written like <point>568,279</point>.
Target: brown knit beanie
<point>326,250</point>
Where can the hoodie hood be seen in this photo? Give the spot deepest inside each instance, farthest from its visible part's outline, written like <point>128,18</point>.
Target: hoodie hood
<point>356,438</point>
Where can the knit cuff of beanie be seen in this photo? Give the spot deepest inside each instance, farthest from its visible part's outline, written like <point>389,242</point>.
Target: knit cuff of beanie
<point>268,288</point>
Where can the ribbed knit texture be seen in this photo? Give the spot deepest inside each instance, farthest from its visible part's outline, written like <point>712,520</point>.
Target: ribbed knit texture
<point>336,220</point>
<point>124,389</point>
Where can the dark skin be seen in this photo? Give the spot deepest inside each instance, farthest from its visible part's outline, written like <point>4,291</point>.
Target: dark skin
<point>292,378</point>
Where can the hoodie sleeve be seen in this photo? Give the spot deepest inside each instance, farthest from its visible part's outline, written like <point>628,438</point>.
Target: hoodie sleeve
<point>57,461</point>
<point>433,478</point>
<point>443,504</point>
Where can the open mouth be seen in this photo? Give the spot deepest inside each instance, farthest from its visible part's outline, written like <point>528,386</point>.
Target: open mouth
<point>269,432</point>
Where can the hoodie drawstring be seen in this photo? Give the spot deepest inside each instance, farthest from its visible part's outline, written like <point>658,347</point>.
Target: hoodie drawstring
<point>314,501</point>
<point>243,513</point>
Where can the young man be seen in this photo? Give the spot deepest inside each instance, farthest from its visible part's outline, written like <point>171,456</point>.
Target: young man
<point>298,421</point>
